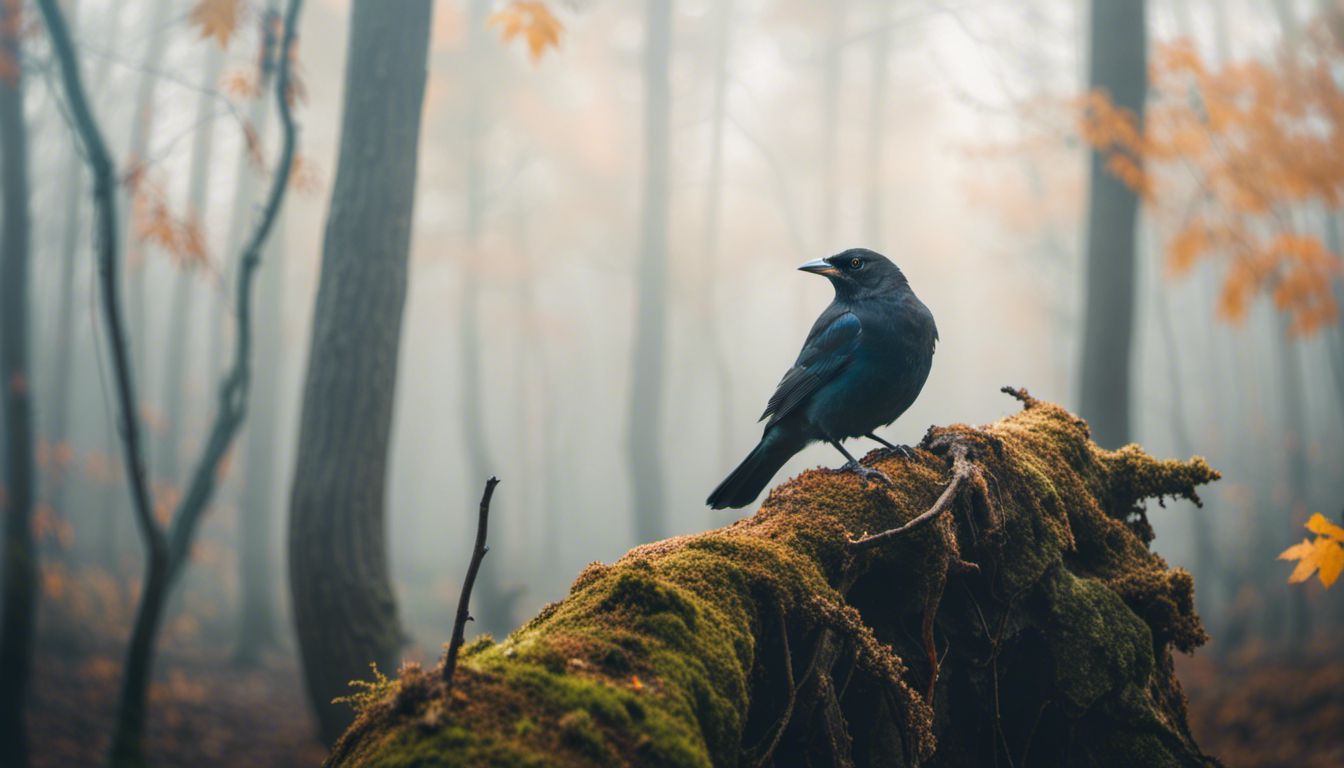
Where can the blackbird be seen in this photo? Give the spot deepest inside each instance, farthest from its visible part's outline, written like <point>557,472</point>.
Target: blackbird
<point>863,364</point>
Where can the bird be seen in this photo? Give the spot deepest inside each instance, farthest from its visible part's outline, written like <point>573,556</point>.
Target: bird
<point>863,364</point>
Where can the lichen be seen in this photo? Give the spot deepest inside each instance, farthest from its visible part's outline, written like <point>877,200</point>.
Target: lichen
<point>1033,613</point>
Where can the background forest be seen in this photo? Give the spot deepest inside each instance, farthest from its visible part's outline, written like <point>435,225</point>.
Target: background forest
<point>372,253</point>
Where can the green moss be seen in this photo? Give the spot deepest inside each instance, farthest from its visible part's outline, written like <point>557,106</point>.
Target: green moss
<point>1099,646</point>
<point>671,655</point>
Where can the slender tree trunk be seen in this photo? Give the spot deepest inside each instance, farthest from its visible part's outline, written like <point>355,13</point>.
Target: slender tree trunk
<point>257,630</point>
<point>831,65</point>
<point>179,322</point>
<point>1118,67</point>
<point>58,432</point>
<point>19,616</point>
<point>877,112</point>
<point>67,309</point>
<point>344,609</point>
<point>142,125</point>
<point>709,316</point>
<point>257,615</point>
<point>646,396</point>
<point>496,610</point>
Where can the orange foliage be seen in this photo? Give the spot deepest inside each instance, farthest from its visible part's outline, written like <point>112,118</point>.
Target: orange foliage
<point>534,21</point>
<point>1324,555</point>
<point>155,223</point>
<point>1261,143</point>
<point>217,19</point>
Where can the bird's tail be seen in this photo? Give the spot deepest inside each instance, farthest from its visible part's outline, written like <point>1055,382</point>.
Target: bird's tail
<point>751,476</point>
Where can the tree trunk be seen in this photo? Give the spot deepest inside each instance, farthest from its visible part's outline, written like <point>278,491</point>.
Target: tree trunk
<point>344,609</point>
<point>19,616</point>
<point>873,209</point>
<point>257,580</point>
<point>773,642</point>
<point>64,372</point>
<point>831,65</point>
<point>495,602</point>
<point>646,392</point>
<point>709,314</point>
<point>1118,68</point>
<point>142,129</point>
<point>257,630</point>
<point>179,316</point>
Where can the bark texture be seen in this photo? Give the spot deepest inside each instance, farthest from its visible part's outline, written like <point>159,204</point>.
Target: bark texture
<point>344,609</point>
<point>1027,625</point>
<point>1118,68</point>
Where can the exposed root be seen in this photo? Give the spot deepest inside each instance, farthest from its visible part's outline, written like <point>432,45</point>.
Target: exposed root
<point>792,689</point>
<point>964,472</point>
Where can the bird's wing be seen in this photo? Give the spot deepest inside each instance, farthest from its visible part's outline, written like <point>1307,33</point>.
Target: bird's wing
<point>828,349</point>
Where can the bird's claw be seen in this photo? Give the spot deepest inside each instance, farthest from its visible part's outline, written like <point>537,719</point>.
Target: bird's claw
<point>867,473</point>
<point>904,451</point>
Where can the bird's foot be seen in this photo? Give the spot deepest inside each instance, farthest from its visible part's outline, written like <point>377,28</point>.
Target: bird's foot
<point>904,451</point>
<point>867,473</point>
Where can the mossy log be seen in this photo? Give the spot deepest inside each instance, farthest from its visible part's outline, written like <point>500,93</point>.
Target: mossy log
<point>1029,624</point>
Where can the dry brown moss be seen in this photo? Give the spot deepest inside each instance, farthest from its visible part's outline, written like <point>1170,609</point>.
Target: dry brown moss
<point>1038,596</point>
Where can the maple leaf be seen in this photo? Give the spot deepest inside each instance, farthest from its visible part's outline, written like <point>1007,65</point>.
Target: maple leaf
<point>217,19</point>
<point>1324,554</point>
<point>531,19</point>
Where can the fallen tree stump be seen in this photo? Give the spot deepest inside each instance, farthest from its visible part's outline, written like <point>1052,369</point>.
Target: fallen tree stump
<point>1025,622</point>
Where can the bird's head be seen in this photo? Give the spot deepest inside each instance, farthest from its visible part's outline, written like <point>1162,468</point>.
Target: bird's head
<point>858,272</point>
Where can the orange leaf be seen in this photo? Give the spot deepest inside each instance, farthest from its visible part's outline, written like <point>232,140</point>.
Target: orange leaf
<point>531,19</point>
<point>217,19</point>
<point>1320,525</point>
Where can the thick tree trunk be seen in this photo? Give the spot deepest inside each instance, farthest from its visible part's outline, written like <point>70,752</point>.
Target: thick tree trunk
<point>646,390</point>
<point>1027,624</point>
<point>1118,68</point>
<point>344,609</point>
<point>19,615</point>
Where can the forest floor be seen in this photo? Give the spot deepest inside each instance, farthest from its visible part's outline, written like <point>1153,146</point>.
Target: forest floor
<point>1259,709</point>
<point>1253,709</point>
<point>204,711</point>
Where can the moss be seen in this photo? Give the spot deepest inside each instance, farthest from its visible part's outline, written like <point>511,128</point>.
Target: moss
<point>1033,609</point>
<point>1099,646</point>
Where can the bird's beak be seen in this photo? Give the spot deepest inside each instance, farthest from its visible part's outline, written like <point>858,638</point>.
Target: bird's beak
<point>820,267</point>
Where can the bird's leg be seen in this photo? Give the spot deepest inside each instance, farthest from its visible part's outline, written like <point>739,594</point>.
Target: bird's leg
<point>900,450</point>
<point>852,465</point>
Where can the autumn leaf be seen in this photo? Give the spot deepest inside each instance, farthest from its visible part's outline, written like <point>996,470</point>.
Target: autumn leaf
<point>1323,555</point>
<point>531,19</point>
<point>217,19</point>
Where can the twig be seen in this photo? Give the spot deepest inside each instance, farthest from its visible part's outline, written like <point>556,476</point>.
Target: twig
<point>962,471</point>
<point>464,600</point>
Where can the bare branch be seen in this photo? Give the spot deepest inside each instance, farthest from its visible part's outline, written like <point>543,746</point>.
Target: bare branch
<point>104,192</point>
<point>234,388</point>
<point>464,600</point>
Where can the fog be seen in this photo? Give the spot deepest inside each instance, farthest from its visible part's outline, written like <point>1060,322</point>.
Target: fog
<point>937,133</point>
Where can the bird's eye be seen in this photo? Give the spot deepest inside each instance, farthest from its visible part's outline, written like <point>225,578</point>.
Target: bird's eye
<point>856,263</point>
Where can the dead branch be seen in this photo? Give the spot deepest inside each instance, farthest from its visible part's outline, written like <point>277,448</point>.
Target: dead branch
<point>464,600</point>
<point>963,470</point>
